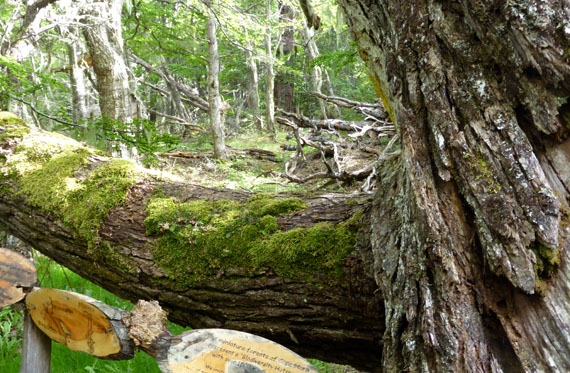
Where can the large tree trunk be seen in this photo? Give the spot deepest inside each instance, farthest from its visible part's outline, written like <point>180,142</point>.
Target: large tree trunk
<point>471,240</point>
<point>103,35</point>
<point>298,272</point>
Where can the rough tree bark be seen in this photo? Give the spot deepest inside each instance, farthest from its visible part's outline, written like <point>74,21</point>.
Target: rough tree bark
<point>103,35</point>
<point>471,240</point>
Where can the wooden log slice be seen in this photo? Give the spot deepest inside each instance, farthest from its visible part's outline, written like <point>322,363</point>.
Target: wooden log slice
<point>81,323</point>
<point>221,351</point>
<point>16,272</point>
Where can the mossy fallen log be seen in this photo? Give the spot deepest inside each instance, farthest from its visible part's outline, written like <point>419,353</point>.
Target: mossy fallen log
<point>295,269</point>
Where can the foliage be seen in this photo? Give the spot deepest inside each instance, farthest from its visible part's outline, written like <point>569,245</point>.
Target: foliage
<point>11,330</point>
<point>141,134</point>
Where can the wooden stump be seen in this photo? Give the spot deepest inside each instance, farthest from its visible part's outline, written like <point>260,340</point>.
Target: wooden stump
<point>81,323</point>
<point>36,349</point>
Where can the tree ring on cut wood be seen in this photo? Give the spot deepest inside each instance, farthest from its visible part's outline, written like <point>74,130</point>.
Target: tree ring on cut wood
<point>221,350</point>
<point>81,323</point>
<point>16,271</point>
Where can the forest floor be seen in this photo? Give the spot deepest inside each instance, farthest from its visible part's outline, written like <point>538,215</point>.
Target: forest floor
<point>263,173</point>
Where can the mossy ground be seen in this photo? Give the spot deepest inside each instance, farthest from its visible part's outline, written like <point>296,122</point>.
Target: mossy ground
<point>51,171</point>
<point>201,238</point>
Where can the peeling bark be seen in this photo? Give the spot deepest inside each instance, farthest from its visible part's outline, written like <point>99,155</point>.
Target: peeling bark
<point>476,91</point>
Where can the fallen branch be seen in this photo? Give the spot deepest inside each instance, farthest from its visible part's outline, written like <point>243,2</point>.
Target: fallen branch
<point>362,127</point>
<point>376,111</point>
<point>254,152</point>
<point>178,120</point>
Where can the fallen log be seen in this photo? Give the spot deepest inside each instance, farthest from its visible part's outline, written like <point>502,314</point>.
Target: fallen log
<point>254,152</point>
<point>294,269</point>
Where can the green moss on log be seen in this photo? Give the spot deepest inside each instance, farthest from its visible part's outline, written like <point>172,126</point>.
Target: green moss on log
<point>54,173</point>
<point>204,238</point>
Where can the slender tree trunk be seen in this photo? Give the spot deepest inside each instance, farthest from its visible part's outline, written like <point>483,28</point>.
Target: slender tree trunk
<point>76,77</point>
<point>253,83</point>
<point>316,71</point>
<point>214,99</point>
<point>104,39</point>
<point>472,255</point>
<point>284,87</point>
<point>319,74</point>
<point>269,77</point>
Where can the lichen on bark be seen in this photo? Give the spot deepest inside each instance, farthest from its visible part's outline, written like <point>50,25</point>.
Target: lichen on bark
<point>477,91</point>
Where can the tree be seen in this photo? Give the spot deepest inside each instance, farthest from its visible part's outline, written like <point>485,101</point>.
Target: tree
<point>269,75</point>
<point>104,39</point>
<point>284,86</point>
<point>461,262</point>
<point>467,254</point>
<point>214,99</point>
<point>253,83</point>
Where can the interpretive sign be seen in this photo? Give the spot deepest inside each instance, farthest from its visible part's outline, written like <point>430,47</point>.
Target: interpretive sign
<point>229,351</point>
<point>16,271</point>
<point>79,322</point>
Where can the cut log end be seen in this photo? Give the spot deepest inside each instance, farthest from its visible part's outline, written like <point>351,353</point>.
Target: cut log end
<point>81,323</point>
<point>147,323</point>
